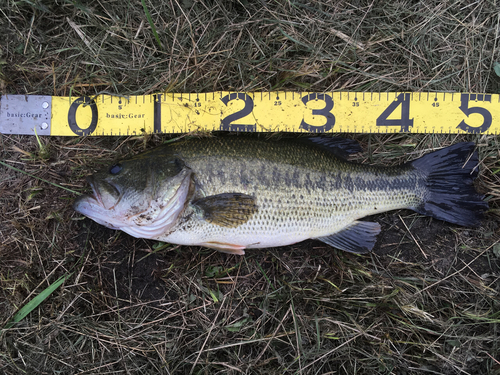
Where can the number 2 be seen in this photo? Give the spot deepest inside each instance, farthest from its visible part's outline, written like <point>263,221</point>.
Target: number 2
<point>226,123</point>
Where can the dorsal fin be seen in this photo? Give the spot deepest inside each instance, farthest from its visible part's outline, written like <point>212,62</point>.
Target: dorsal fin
<point>340,147</point>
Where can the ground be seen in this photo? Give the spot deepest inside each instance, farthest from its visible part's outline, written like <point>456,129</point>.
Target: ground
<point>425,301</point>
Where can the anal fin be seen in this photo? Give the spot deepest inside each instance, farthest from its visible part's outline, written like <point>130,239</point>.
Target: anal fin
<point>359,237</point>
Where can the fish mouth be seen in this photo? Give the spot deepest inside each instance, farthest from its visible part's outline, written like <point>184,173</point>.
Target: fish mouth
<point>89,206</point>
<point>94,206</point>
<point>95,192</point>
<point>104,193</point>
<point>92,199</point>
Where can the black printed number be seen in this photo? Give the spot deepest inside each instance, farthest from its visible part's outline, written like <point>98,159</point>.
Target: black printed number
<point>464,107</point>
<point>325,112</point>
<point>227,122</point>
<point>403,101</point>
<point>72,116</point>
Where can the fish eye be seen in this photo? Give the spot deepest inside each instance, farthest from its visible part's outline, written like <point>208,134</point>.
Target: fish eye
<point>115,169</point>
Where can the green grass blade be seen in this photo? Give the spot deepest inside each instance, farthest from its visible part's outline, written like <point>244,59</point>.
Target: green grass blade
<point>150,20</point>
<point>38,178</point>
<point>35,302</point>
<point>265,276</point>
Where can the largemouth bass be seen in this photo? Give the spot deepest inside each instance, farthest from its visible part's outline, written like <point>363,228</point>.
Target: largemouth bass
<point>235,193</point>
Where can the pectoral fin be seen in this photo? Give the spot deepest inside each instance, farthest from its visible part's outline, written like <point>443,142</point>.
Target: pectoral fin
<point>359,237</point>
<point>228,209</point>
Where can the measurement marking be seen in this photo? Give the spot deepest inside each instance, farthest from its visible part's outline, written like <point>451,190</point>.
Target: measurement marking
<point>342,111</point>
<point>157,114</point>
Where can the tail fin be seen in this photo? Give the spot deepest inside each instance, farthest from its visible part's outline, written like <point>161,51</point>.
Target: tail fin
<point>449,174</point>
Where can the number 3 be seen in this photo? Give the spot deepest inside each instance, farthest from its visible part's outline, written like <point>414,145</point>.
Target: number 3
<point>325,112</point>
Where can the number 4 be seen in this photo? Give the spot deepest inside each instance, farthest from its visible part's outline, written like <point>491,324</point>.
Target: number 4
<point>405,122</point>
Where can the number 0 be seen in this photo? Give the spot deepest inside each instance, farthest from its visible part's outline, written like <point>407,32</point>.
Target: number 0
<point>72,116</point>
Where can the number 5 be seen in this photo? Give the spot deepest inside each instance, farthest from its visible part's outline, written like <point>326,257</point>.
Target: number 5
<point>464,107</point>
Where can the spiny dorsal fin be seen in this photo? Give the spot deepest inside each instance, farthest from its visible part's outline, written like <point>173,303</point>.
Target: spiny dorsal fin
<point>227,209</point>
<point>359,237</point>
<point>340,147</point>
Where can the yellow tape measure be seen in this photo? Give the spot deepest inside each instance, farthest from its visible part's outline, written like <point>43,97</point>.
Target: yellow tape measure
<point>282,111</point>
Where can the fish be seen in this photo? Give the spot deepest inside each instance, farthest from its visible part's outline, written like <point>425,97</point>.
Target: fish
<point>234,193</point>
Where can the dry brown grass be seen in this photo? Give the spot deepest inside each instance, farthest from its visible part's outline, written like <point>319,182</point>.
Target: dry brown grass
<point>135,306</point>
